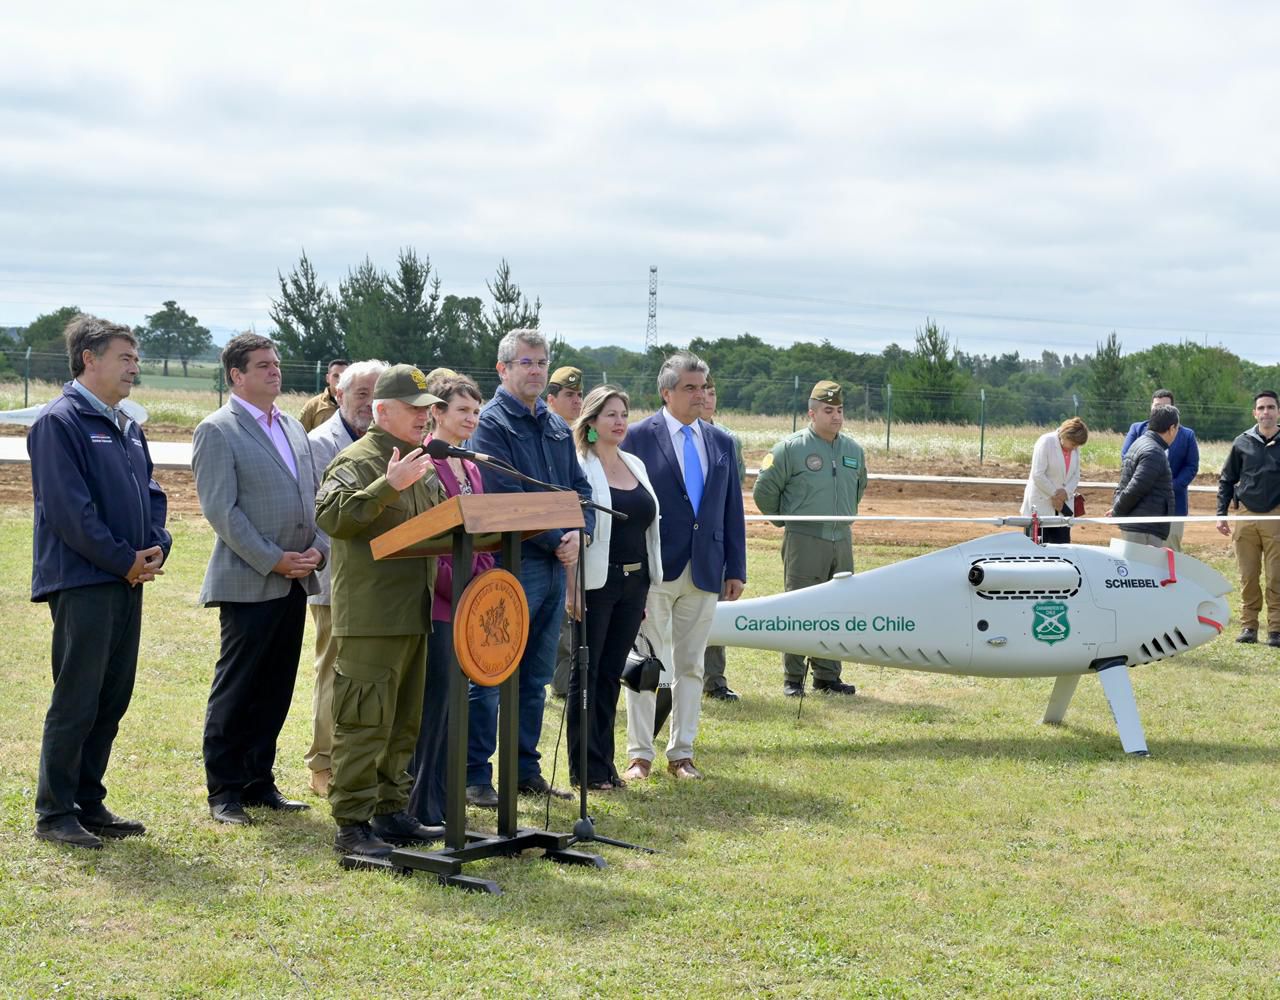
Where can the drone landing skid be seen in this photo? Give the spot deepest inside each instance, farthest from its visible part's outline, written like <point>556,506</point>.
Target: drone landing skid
<point>1063,689</point>
<point>1114,675</point>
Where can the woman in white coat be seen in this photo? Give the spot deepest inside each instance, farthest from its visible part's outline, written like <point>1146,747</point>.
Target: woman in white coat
<point>619,563</point>
<point>1055,475</point>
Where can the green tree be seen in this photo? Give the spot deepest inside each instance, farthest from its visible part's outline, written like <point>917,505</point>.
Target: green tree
<point>306,317</point>
<point>510,309</point>
<point>412,298</point>
<point>1110,387</point>
<point>44,335</point>
<point>172,332</point>
<point>931,384</point>
<point>362,311</point>
<point>464,336</point>
<point>1209,384</point>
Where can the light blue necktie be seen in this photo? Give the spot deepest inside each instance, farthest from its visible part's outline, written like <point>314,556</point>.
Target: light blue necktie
<point>692,468</point>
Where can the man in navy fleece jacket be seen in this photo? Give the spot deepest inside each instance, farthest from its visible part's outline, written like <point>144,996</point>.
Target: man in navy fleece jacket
<point>99,536</point>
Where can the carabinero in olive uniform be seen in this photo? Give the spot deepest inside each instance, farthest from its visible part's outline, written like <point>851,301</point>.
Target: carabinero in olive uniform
<point>381,616</point>
<point>819,472</point>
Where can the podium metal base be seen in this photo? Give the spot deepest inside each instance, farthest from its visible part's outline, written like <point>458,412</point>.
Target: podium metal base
<point>446,863</point>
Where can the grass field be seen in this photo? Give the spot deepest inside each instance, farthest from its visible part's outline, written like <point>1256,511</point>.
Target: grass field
<point>924,839</point>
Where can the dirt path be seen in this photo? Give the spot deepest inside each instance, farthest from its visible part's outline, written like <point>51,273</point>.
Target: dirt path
<point>961,500</point>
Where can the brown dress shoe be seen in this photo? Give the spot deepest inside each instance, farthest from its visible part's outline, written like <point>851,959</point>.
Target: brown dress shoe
<point>683,768</point>
<point>637,770</point>
<point>320,782</point>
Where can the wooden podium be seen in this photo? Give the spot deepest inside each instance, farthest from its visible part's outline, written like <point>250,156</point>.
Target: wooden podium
<point>460,527</point>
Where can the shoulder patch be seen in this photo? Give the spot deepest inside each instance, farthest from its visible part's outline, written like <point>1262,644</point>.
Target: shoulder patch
<point>767,462</point>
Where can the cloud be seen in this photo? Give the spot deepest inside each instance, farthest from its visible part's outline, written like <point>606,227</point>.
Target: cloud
<point>1025,173</point>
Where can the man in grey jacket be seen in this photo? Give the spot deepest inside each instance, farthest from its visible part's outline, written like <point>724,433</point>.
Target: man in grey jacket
<point>1146,482</point>
<point>257,488</point>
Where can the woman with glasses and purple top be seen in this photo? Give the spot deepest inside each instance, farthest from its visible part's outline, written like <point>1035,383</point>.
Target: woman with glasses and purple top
<point>455,422</point>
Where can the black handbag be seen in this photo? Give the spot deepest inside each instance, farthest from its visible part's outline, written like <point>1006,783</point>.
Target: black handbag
<point>642,671</point>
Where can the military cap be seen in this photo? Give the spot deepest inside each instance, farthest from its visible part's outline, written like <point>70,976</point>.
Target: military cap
<point>829,392</point>
<point>405,383</point>
<point>566,378</point>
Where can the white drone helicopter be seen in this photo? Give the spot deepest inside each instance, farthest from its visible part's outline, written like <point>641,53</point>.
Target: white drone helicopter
<point>1003,606</point>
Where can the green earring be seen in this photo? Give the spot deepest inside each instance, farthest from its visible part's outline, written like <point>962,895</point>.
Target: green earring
<point>592,436</point>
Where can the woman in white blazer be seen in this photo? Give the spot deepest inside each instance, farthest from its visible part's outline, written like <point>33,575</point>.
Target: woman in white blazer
<point>619,563</point>
<point>1055,475</point>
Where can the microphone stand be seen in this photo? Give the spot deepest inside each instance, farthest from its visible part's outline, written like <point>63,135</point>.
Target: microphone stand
<point>584,830</point>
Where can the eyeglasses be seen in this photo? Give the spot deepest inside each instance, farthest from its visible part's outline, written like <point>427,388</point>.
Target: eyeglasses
<point>527,363</point>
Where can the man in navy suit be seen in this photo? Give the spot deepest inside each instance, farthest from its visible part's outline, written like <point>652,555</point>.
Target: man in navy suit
<point>694,472</point>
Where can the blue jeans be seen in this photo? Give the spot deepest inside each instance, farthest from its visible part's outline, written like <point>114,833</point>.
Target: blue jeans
<point>543,582</point>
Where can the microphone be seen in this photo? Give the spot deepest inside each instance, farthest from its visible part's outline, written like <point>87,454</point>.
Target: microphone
<point>437,448</point>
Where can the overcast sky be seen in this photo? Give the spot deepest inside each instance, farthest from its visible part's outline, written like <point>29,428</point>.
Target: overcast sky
<point>1030,175</point>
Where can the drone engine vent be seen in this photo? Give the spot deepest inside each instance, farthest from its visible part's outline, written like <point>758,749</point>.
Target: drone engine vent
<point>1024,578</point>
<point>1160,646</point>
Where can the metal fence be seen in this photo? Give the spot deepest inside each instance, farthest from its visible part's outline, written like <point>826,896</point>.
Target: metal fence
<point>203,384</point>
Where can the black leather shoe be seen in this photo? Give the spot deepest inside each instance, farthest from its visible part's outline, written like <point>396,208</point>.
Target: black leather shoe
<point>105,823</point>
<point>1247,635</point>
<point>834,687</point>
<point>540,786</point>
<point>67,830</point>
<point>400,828</point>
<point>359,839</point>
<point>483,796</point>
<point>230,812</point>
<point>793,689</point>
<point>723,694</point>
<point>1273,639</point>
<point>274,800</point>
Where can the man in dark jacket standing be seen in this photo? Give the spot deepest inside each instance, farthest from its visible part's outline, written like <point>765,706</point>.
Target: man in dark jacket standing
<point>1251,477</point>
<point>1146,482</point>
<point>99,536</point>
<point>1184,462</point>
<point>517,428</point>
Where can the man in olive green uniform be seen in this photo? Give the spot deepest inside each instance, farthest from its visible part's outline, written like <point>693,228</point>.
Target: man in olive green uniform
<point>564,399</point>
<point>325,403</point>
<point>816,471</point>
<point>381,614</point>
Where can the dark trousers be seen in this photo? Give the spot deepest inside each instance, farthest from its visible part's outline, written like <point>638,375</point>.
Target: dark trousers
<point>95,658</point>
<point>426,798</point>
<point>614,612</point>
<point>252,689</point>
<point>543,583</point>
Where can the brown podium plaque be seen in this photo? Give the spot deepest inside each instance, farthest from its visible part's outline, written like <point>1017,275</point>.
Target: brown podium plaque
<point>491,627</point>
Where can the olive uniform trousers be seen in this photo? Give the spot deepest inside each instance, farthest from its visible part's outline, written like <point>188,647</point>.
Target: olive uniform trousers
<point>377,711</point>
<point>806,561</point>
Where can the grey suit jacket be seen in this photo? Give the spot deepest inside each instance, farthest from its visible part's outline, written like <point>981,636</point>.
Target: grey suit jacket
<point>326,441</point>
<point>257,508</point>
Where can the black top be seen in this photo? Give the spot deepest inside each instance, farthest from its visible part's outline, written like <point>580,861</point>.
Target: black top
<point>1251,473</point>
<point>626,543</point>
